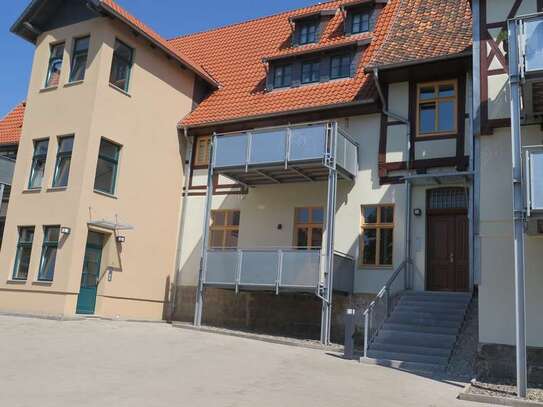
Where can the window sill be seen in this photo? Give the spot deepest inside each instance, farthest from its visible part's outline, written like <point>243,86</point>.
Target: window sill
<point>105,194</point>
<point>43,283</point>
<point>48,89</point>
<point>57,189</point>
<point>14,282</point>
<point>374,268</point>
<point>32,191</point>
<point>124,92</point>
<point>435,136</point>
<point>74,83</point>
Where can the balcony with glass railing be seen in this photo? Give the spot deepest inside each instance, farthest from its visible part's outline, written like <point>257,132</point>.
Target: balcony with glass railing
<point>301,153</point>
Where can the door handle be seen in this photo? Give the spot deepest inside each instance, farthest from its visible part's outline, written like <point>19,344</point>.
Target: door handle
<point>451,257</point>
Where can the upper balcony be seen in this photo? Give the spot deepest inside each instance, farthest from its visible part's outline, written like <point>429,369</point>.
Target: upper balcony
<point>300,153</point>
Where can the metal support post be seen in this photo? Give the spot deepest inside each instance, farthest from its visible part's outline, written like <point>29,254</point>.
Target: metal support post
<point>366,331</point>
<point>518,207</point>
<point>409,283</point>
<point>203,260</point>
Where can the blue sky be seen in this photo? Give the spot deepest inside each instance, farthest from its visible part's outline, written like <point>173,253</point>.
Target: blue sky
<point>168,17</point>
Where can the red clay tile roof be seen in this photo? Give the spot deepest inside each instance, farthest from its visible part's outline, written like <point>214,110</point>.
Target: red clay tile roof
<point>112,7</point>
<point>11,125</point>
<point>426,29</point>
<point>233,55</point>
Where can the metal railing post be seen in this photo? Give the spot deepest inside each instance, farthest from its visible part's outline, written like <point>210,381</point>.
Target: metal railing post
<point>366,331</point>
<point>387,302</point>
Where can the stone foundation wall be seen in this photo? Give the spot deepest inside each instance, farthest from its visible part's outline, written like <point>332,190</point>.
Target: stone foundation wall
<point>499,362</point>
<point>293,315</point>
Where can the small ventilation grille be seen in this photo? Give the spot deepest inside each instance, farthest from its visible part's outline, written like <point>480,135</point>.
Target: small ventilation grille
<point>448,198</point>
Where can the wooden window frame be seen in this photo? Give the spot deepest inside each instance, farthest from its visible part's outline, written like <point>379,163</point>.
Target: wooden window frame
<point>436,100</point>
<point>226,227</point>
<point>21,245</point>
<point>310,226</point>
<point>48,245</point>
<point>378,226</point>
<point>61,157</point>
<point>202,162</point>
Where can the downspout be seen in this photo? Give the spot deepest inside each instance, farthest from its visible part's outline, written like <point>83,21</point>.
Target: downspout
<point>188,165</point>
<point>400,118</point>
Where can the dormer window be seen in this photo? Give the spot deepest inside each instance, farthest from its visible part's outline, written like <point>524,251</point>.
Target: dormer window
<point>340,66</point>
<point>360,23</point>
<point>308,33</point>
<point>282,76</point>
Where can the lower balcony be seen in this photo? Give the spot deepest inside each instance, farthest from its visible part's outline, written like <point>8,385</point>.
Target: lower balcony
<point>278,270</point>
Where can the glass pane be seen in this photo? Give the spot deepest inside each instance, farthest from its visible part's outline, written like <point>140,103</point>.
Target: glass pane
<point>317,215</point>
<point>534,44</point>
<point>65,144</point>
<point>427,92</point>
<point>302,237</point>
<point>427,117</point>
<point>81,44</point>
<point>385,247</point>
<point>316,237</point>
<point>216,238</point>
<point>302,215</point>
<point>51,234</point>
<point>40,147</point>
<point>36,177</point>
<point>370,214</point>
<point>62,172</point>
<point>53,76</point>
<point>218,218</point>
<point>446,116</point>
<point>232,238</point>
<point>231,150</point>
<point>387,214</point>
<point>95,239</point>
<point>268,147</point>
<point>105,176</point>
<point>235,218</point>
<point>120,70</point>
<point>26,235</point>
<point>109,150</point>
<point>48,264</point>
<point>369,238</point>
<point>446,91</point>
<point>307,142</point>
<point>123,51</point>
<point>57,51</point>
<point>78,68</point>
<point>23,263</point>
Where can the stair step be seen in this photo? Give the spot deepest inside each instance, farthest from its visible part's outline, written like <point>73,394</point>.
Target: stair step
<point>419,350</point>
<point>440,299</point>
<point>425,321</point>
<point>410,366</point>
<point>399,313</point>
<point>437,294</point>
<point>432,340</point>
<point>408,357</point>
<point>425,328</point>
<point>432,304</point>
<point>430,310</point>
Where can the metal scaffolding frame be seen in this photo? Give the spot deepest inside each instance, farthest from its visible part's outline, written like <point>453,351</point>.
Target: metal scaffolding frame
<point>325,289</point>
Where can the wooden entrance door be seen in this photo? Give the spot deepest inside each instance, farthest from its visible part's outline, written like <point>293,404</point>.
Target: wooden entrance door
<point>447,250</point>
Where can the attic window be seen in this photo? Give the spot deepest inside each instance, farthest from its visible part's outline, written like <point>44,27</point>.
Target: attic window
<point>282,77</point>
<point>308,32</point>
<point>360,22</point>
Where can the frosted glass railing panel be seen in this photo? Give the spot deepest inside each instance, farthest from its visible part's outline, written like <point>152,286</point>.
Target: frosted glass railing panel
<point>340,150</point>
<point>536,180</point>
<point>268,147</point>
<point>533,29</point>
<point>300,268</point>
<point>343,273</point>
<point>351,157</point>
<point>307,143</point>
<point>259,268</point>
<point>231,151</point>
<point>221,267</point>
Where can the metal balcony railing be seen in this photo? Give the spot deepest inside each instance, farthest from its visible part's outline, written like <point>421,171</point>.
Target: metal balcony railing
<point>285,154</point>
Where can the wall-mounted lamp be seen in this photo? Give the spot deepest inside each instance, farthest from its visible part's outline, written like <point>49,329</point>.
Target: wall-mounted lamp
<point>120,239</point>
<point>65,230</point>
<point>417,212</point>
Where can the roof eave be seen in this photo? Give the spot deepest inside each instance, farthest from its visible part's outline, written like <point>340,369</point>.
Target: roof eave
<point>384,67</point>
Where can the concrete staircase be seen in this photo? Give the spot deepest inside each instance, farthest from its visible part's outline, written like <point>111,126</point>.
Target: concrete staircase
<point>421,332</point>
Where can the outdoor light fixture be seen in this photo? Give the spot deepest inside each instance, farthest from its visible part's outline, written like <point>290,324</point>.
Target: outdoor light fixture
<point>120,239</point>
<point>65,230</point>
<point>417,212</point>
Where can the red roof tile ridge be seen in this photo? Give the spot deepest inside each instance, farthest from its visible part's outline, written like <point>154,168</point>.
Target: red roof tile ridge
<point>388,32</point>
<point>10,112</point>
<point>253,20</point>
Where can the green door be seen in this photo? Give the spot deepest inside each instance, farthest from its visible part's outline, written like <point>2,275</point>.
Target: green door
<point>90,277</point>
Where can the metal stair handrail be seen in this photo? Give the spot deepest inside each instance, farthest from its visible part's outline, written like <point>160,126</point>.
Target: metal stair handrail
<point>382,296</point>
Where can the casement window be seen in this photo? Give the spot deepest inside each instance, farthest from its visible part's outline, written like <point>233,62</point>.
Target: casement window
<point>106,167</point>
<point>121,65</point>
<point>224,230</point>
<point>437,108</point>
<point>201,153</point>
<point>79,59</point>
<point>311,72</point>
<point>360,23</point>
<point>64,159</point>
<point>49,249</point>
<point>38,163</point>
<point>308,33</point>
<point>340,66</point>
<point>377,235</point>
<point>23,254</point>
<point>308,227</point>
<point>282,76</point>
<point>55,65</point>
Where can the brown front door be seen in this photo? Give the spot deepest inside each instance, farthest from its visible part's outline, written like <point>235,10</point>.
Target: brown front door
<point>447,250</point>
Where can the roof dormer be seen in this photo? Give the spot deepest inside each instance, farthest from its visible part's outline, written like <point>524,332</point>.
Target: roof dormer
<point>360,16</point>
<point>308,28</point>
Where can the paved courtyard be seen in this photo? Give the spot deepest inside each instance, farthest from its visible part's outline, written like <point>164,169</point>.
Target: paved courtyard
<point>105,363</point>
